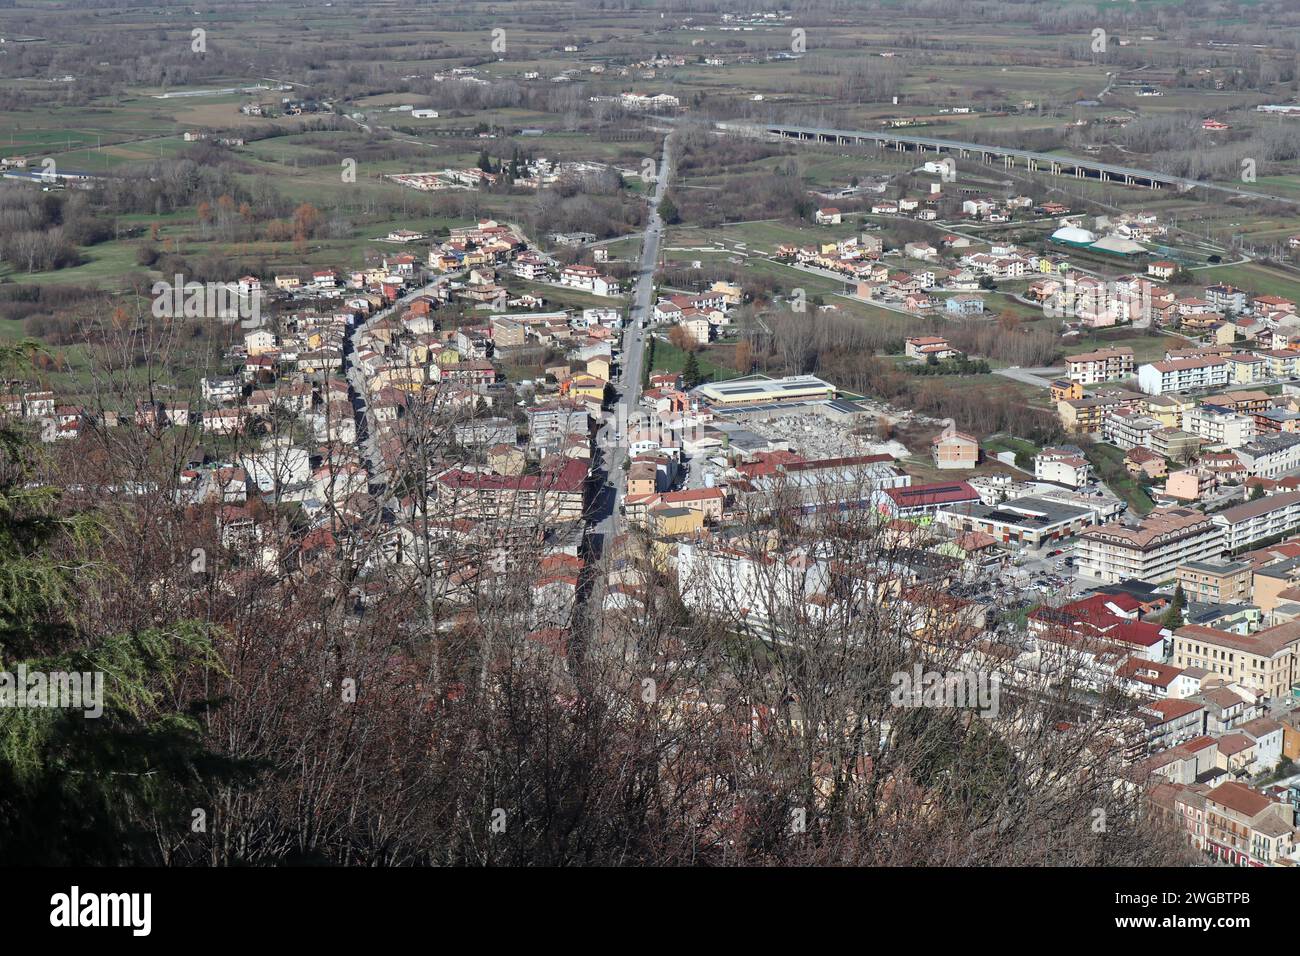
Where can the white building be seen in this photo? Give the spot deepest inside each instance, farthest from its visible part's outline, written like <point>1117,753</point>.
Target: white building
<point>745,584</point>
<point>1216,425</point>
<point>1178,375</point>
<point>1252,521</point>
<point>1063,466</point>
<point>1271,456</point>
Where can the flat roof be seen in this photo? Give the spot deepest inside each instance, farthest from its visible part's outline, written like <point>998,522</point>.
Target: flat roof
<point>756,386</point>
<point>1030,511</point>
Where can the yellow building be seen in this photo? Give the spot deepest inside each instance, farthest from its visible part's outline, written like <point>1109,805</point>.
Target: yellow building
<point>599,368</point>
<point>1064,390</point>
<point>408,378</point>
<point>731,294</point>
<point>1283,363</point>
<point>1169,409</point>
<point>1247,367</point>
<point>587,386</point>
<point>671,522</point>
<point>1265,661</point>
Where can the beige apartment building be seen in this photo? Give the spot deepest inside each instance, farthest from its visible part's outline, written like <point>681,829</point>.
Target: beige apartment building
<point>1089,368</point>
<point>954,449</point>
<point>1089,414</point>
<point>1246,828</point>
<point>1215,581</point>
<point>1275,584</point>
<point>1150,550</point>
<point>1265,660</point>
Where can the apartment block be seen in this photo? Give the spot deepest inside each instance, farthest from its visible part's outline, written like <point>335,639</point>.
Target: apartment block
<point>1246,828</point>
<point>1128,428</point>
<point>1176,375</point>
<point>1150,549</point>
<point>1088,415</point>
<point>1174,443</point>
<point>1247,368</point>
<point>1217,425</point>
<point>1215,581</point>
<point>1064,466</point>
<point>1254,521</point>
<point>1270,456</point>
<point>1089,368</point>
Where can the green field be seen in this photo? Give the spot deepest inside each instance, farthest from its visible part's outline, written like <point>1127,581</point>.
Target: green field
<point>1256,279</point>
<point>1109,464</point>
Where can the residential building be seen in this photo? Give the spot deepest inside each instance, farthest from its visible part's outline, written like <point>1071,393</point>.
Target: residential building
<point>551,497</point>
<point>1088,415</point>
<point>1252,521</point>
<point>1149,549</point>
<point>1064,466</point>
<point>1143,463</point>
<point>1090,368</point>
<point>965,304</point>
<point>1219,426</point>
<point>1269,456</point>
<point>955,449</point>
<point>1226,298</point>
<point>1245,828</point>
<point>1176,375</point>
<point>1246,368</point>
<point>921,347</point>
<point>1215,581</point>
<point>1174,444</point>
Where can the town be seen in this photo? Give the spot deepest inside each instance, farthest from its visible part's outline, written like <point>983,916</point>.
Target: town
<point>607,397</point>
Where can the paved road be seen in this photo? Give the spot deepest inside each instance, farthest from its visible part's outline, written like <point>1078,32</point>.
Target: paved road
<point>628,383</point>
<point>357,393</point>
<point>1038,377</point>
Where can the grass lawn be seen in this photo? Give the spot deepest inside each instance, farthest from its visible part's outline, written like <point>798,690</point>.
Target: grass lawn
<point>1109,463</point>
<point>1001,443</point>
<point>669,358</point>
<point>1146,348</point>
<point>1256,279</point>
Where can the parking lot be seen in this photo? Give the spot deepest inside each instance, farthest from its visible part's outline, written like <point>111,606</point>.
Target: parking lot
<point>1026,579</point>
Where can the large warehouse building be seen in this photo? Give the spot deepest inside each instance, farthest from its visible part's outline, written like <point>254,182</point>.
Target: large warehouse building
<point>759,389</point>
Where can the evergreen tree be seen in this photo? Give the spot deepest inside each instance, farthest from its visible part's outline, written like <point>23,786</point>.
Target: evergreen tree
<point>1173,618</point>
<point>691,375</point>
<point>79,788</point>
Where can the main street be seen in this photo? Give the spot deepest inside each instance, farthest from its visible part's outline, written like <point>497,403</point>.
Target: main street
<point>611,438</point>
